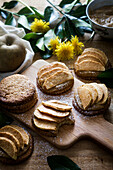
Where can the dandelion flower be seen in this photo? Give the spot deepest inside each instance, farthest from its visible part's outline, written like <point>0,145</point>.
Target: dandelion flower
<point>53,43</point>
<point>40,26</point>
<point>77,45</point>
<point>64,51</point>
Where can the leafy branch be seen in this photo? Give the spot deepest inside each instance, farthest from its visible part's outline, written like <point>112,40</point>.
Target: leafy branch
<point>71,21</point>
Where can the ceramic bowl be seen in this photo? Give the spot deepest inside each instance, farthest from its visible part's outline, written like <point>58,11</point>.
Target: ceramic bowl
<point>103,31</point>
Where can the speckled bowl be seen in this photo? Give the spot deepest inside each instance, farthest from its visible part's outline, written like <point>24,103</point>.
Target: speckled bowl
<point>103,31</point>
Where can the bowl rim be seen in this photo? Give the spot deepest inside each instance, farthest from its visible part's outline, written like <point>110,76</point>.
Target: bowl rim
<point>87,13</point>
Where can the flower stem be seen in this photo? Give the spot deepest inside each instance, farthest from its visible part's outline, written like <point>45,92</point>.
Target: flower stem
<point>13,13</point>
<point>56,8</point>
<point>23,3</point>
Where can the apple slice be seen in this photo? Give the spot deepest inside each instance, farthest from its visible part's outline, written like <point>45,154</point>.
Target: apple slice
<point>46,117</point>
<point>15,132</point>
<point>12,138</point>
<point>52,112</point>
<point>89,65</point>
<point>89,57</point>
<point>85,96</point>
<point>99,91</point>
<point>100,54</point>
<point>23,133</point>
<point>57,105</point>
<point>93,92</point>
<point>47,74</point>
<point>45,125</point>
<point>105,91</point>
<point>58,78</point>
<point>8,146</point>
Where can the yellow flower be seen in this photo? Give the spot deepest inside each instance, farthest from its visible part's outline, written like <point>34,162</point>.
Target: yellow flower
<point>40,26</point>
<point>77,45</point>
<point>53,43</point>
<point>64,51</point>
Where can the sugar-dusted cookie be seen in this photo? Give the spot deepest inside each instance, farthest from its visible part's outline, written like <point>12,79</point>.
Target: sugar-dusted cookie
<point>10,152</point>
<point>90,63</point>
<point>17,94</point>
<point>54,78</point>
<point>92,99</point>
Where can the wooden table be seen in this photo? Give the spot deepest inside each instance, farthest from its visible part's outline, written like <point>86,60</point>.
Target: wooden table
<point>86,153</point>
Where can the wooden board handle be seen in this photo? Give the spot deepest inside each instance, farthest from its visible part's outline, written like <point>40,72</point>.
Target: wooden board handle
<point>102,132</point>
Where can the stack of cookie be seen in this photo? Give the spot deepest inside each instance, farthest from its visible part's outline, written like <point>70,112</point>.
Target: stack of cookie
<point>16,145</point>
<point>90,63</point>
<point>54,78</point>
<point>50,115</point>
<point>17,94</point>
<point>92,98</point>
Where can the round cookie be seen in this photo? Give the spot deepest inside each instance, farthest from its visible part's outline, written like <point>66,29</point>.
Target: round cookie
<point>88,106</point>
<point>91,63</point>
<point>17,94</point>
<point>54,78</point>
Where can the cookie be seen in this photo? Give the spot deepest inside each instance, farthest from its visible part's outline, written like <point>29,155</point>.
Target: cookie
<point>54,78</point>
<point>91,63</point>
<point>17,94</point>
<point>9,154</point>
<point>86,103</point>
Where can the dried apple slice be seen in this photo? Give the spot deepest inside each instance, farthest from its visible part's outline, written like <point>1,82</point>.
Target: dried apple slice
<point>99,91</point>
<point>93,92</point>
<point>89,65</point>
<point>15,132</point>
<point>57,105</point>
<point>8,146</point>
<point>47,74</point>
<point>56,79</point>
<point>85,96</point>
<point>46,117</point>
<point>89,57</point>
<point>105,91</point>
<point>52,112</point>
<point>45,125</point>
<point>12,138</point>
<point>100,54</point>
<point>23,133</point>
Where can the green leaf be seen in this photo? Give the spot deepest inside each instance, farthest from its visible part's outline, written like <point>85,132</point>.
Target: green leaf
<point>60,30</point>
<point>106,77</point>
<point>40,44</point>
<point>78,22</point>
<point>23,22</point>
<point>66,2</point>
<point>9,5</point>
<point>68,7</point>
<point>78,11</point>
<point>32,35</point>
<point>24,11</point>
<point>3,14</point>
<point>46,54</point>
<point>60,162</point>
<point>49,35</point>
<point>50,15</point>
<point>38,14</point>
<point>10,20</point>
<point>5,120</point>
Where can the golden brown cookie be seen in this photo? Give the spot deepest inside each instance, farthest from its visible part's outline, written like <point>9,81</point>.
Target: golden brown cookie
<point>91,63</point>
<point>10,154</point>
<point>54,78</point>
<point>17,94</point>
<point>87,102</point>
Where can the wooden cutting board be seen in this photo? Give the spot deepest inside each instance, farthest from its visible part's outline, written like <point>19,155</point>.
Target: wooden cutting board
<point>95,127</point>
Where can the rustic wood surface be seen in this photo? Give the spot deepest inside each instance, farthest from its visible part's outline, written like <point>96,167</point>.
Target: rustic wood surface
<point>86,153</point>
